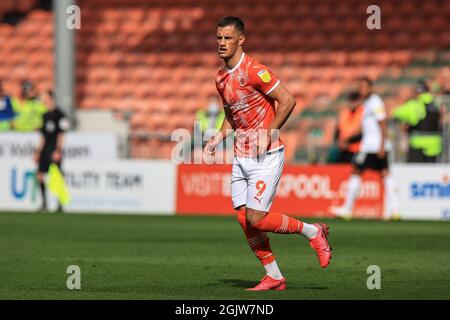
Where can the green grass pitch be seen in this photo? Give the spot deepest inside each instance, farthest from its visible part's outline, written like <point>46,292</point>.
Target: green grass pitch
<point>161,257</point>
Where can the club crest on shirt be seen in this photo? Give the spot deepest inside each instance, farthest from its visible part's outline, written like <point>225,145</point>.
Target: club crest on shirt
<point>242,81</point>
<point>264,75</point>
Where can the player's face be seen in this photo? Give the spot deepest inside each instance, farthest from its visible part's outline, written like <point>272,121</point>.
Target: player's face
<point>47,100</point>
<point>355,103</point>
<point>228,41</point>
<point>364,89</point>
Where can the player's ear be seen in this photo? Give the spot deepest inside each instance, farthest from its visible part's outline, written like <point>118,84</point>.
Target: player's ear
<point>241,39</point>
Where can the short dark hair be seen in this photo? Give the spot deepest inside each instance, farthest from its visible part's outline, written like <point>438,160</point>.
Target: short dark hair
<point>232,21</point>
<point>367,80</point>
<point>422,86</point>
<point>353,96</point>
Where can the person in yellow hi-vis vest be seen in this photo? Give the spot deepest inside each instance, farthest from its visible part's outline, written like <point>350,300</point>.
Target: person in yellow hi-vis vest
<point>28,108</point>
<point>210,118</point>
<point>423,118</point>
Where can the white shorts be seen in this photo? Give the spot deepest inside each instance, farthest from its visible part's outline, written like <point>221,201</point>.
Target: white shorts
<point>254,181</point>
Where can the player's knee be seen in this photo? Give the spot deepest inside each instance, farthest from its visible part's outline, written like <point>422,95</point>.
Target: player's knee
<point>241,216</point>
<point>253,216</point>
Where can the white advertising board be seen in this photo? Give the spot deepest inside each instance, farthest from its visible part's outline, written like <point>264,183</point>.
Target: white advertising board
<point>424,191</point>
<point>121,186</point>
<point>77,146</point>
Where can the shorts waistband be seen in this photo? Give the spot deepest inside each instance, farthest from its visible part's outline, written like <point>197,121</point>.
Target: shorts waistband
<point>276,150</point>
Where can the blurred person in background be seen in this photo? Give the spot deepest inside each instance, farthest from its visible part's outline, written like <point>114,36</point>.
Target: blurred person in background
<point>423,119</point>
<point>28,108</point>
<point>6,111</point>
<point>50,148</point>
<point>348,131</point>
<point>373,154</point>
<point>209,118</point>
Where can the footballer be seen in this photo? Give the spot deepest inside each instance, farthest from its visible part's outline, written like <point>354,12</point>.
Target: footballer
<point>257,105</point>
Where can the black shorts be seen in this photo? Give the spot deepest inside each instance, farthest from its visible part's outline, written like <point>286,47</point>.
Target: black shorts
<point>45,159</point>
<point>345,156</point>
<point>363,161</point>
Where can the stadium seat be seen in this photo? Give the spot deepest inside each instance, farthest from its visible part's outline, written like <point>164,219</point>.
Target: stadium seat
<point>159,57</point>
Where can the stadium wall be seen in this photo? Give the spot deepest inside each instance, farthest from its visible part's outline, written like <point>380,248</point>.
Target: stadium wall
<point>161,187</point>
<point>308,191</point>
<point>303,190</point>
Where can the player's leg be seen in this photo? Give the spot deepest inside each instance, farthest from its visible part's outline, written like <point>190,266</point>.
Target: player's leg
<point>354,187</point>
<point>392,203</point>
<point>257,240</point>
<point>43,166</point>
<point>263,183</point>
<point>260,245</point>
<point>41,182</point>
<point>280,223</point>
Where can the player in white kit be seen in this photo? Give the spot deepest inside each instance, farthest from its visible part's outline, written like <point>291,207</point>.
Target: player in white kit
<point>373,154</point>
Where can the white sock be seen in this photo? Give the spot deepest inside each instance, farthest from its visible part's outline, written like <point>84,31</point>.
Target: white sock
<point>309,230</point>
<point>354,185</point>
<point>273,271</point>
<point>391,195</point>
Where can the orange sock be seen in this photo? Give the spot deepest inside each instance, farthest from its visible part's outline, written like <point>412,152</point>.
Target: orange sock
<point>257,240</point>
<point>279,223</point>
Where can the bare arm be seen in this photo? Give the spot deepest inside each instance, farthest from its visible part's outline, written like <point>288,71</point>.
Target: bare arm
<point>59,146</point>
<point>38,150</point>
<point>226,125</point>
<point>286,104</point>
<point>60,141</point>
<point>383,127</point>
<point>224,131</point>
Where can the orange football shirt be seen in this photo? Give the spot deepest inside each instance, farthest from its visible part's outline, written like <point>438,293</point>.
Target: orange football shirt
<point>244,89</point>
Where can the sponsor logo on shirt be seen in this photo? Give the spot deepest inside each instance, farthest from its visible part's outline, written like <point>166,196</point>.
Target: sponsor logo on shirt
<point>242,81</point>
<point>264,75</point>
<point>239,106</point>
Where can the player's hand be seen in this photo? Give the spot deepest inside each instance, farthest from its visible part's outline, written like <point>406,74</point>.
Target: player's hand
<point>262,143</point>
<point>36,157</point>
<point>210,148</point>
<point>381,154</point>
<point>342,145</point>
<point>56,156</point>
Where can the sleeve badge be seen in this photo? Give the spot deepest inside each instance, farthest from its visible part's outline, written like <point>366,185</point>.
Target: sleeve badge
<point>264,75</point>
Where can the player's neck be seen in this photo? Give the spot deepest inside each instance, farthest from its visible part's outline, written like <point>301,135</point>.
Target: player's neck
<point>234,60</point>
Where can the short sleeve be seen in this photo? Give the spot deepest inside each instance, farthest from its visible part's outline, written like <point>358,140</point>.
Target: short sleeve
<point>63,123</point>
<point>262,78</point>
<point>377,107</point>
